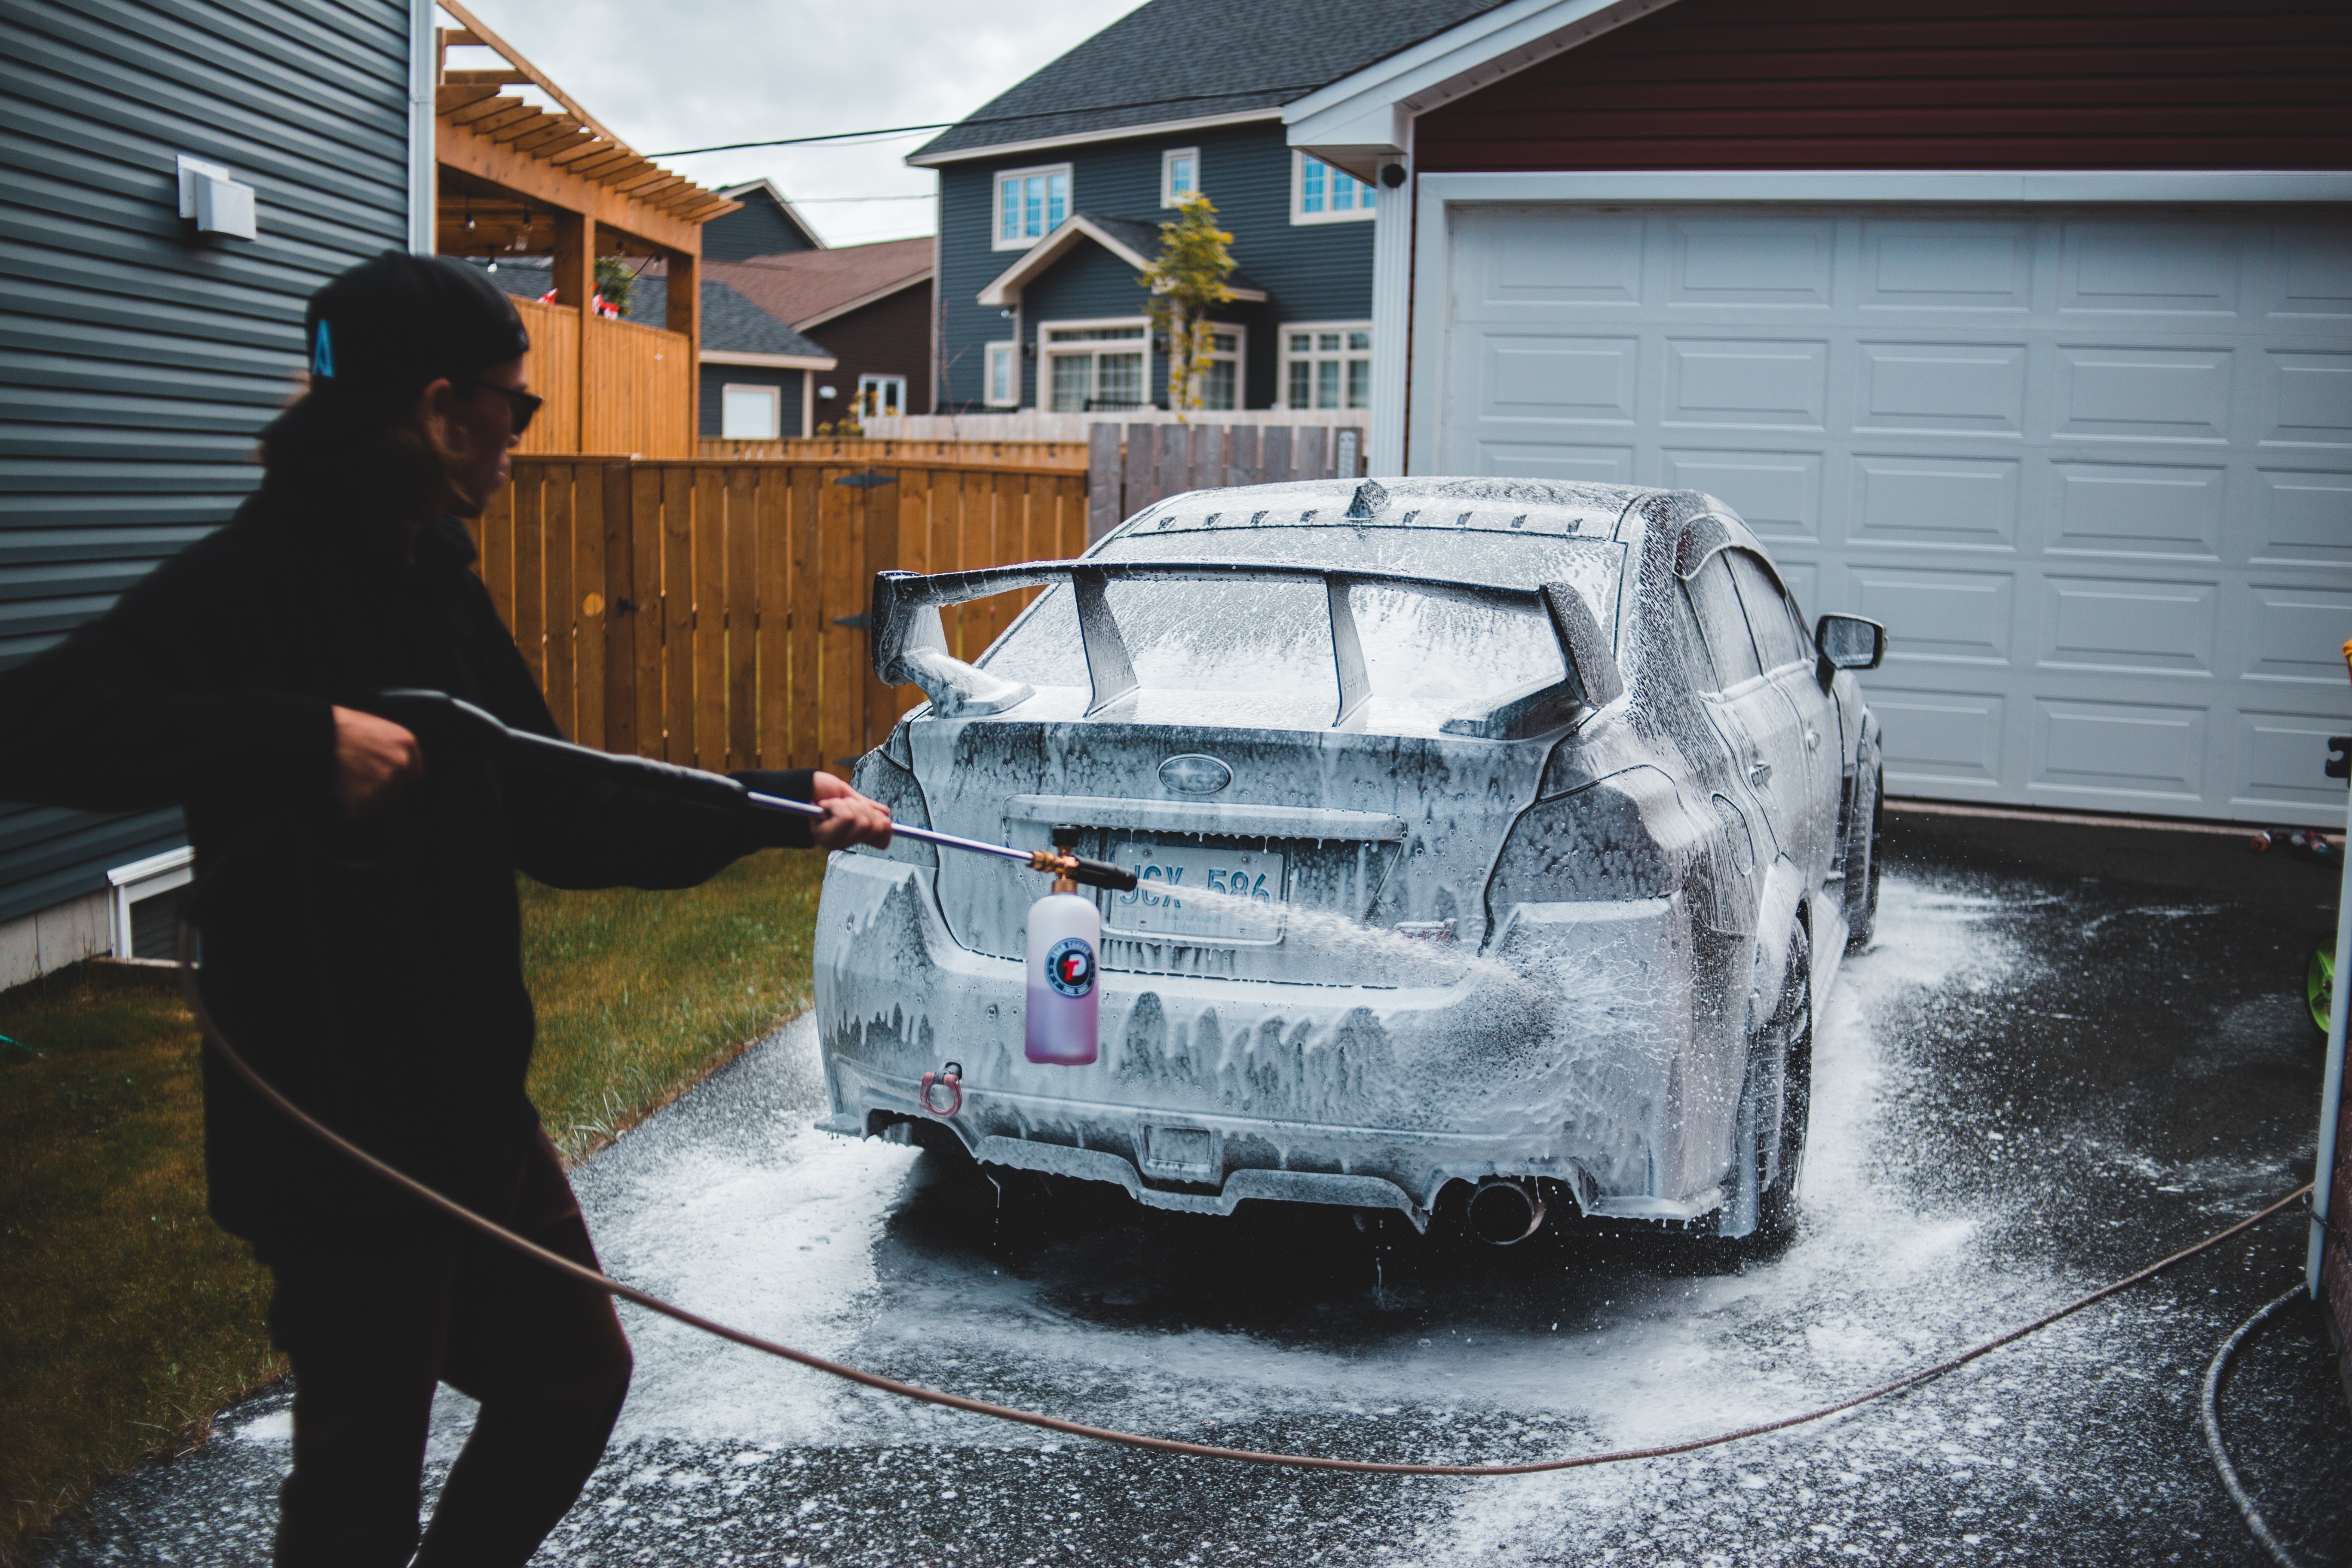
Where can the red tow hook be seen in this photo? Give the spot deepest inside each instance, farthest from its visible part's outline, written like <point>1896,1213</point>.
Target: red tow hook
<point>951,1077</point>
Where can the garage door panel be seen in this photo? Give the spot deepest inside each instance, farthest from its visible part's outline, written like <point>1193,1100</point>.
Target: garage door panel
<point>1597,262</point>
<point>1560,378</point>
<point>2187,268</point>
<point>1780,492</point>
<point>1782,385</point>
<point>2303,515</point>
<point>2295,632</point>
<point>2282,761</point>
<point>2127,625</point>
<point>2093,468</point>
<point>1948,617</point>
<point>1562,461</point>
<point>1778,263</point>
<point>2154,752</point>
<point>1935,740</point>
<point>2109,392</point>
<point>2310,275</point>
<point>1971,503</point>
<point>1908,265</point>
<point>1964,389</point>
<point>2138,509</point>
<point>2307,399</point>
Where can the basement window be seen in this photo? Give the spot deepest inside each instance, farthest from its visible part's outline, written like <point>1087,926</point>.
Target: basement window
<point>147,897</point>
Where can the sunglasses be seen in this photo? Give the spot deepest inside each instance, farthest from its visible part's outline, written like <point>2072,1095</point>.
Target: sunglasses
<point>523,403</point>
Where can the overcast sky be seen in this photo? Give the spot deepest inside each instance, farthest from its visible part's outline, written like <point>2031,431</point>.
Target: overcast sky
<point>698,72</point>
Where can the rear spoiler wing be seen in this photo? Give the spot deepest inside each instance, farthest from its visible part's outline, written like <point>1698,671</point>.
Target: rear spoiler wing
<point>911,642</point>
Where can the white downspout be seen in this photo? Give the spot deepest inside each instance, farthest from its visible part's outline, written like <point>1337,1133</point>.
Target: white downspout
<point>424,72</point>
<point>2331,1092</point>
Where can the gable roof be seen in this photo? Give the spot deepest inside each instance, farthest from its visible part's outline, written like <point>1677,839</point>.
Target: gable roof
<point>1130,241</point>
<point>764,192</point>
<point>1183,63</point>
<point>808,287</point>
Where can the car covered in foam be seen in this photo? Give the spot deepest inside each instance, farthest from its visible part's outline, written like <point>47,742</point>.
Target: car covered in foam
<point>1496,841</point>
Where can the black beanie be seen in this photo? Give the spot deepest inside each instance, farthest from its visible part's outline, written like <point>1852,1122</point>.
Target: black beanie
<point>378,333</point>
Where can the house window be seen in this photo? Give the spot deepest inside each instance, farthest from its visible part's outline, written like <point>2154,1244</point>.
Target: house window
<point>1180,174</point>
<point>1030,204</point>
<point>1003,376</point>
<point>750,413</point>
<point>1092,366</point>
<point>881,395</point>
<point>1321,194</point>
<point>1220,375</point>
<point>1327,365</point>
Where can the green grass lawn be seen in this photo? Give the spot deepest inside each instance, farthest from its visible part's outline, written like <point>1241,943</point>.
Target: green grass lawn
<point>127,1318</point>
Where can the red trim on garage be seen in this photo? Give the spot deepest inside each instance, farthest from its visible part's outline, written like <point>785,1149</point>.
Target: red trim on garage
<point>1981,84</point>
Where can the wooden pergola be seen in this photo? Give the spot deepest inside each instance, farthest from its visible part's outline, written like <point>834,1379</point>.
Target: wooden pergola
<point>516,179</point>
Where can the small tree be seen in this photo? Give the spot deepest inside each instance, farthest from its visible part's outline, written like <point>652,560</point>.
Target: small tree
<point>613,280</point>
<point>1187,280</point>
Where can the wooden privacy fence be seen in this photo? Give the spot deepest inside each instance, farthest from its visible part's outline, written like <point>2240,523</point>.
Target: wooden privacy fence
<point>1130,467</point>
<point>712,613</point>
<point>639,391</point>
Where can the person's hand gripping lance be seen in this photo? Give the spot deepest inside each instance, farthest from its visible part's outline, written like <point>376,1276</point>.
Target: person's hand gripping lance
<point>1063,1007</point>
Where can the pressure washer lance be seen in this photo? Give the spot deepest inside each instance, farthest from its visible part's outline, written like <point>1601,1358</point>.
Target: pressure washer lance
<point>1065,928</point>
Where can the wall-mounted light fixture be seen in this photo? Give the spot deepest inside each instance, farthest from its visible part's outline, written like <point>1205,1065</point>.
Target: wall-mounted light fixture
<point>827,392</point>
<point>218,204</point>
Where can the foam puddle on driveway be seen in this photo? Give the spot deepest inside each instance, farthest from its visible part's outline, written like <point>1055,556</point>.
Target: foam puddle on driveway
<point>1922,1231</point>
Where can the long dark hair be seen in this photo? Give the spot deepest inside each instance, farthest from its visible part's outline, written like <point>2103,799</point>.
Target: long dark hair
<point>393,471</point>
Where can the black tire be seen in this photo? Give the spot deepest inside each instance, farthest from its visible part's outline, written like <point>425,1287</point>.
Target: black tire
<point>1792,1020</point>
<point>1862,864</point>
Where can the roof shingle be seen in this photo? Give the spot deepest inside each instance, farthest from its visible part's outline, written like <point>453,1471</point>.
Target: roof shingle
<point>1181,59</point>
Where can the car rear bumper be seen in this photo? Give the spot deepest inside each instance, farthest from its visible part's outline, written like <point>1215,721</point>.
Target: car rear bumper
<point>1571,1059</point>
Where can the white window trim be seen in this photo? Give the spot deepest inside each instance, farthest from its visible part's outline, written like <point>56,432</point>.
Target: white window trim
<point>1011,350</point>
<point>1365,213</point>
<point>1240,356</point>
<point>143,880</point>
<point>1168,196</point>
<point>1281,368</point>
<point>1417,317</point>
<point>874,381</point>
<point>996,240</point>
<point>1153,372</point>
<point>775,395</point>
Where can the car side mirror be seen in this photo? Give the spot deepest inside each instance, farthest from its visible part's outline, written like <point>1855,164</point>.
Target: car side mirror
<point>1850,642</point>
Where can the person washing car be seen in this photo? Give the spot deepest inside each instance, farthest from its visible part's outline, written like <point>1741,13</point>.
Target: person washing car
<point>361,934</point>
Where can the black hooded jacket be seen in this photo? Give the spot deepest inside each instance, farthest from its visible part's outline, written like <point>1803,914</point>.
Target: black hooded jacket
<point>372,969</point>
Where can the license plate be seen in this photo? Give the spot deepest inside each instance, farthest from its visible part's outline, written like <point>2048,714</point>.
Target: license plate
<point>1166,872</point>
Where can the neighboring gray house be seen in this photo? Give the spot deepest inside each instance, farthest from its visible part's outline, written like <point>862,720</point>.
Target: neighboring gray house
<point>1051,196</point>
<point>179,177</point>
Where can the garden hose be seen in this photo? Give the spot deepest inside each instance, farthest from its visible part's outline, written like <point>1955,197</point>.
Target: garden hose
<point>2209,1417</point>
<point>590,1276</point>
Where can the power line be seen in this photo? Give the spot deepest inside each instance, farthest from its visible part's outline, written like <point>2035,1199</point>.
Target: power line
<point>992,119</point>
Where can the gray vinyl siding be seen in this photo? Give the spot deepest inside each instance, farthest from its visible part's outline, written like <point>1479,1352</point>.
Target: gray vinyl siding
<point>758,227</point>
<point>1315,272</point>
<point>137,362</point>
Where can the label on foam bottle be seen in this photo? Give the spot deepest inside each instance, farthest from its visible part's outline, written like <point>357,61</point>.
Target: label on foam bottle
<point>1062,1003</point>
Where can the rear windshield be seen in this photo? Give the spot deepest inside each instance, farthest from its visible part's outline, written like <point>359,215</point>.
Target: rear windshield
<point>1429,659</point>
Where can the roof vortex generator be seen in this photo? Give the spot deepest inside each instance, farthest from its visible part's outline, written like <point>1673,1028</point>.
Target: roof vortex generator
<point>911,642</point>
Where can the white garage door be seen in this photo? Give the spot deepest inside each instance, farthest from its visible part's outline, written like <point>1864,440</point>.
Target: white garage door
<point>2094,470</point>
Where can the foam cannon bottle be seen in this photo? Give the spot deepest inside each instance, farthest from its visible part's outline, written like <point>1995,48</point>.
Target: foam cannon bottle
<point>1064,1005</point>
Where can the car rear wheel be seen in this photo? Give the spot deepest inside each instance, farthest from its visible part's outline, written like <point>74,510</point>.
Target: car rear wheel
<point>1792,1023</point>
<point>1862,864</point>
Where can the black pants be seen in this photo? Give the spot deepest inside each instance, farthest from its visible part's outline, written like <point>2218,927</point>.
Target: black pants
<point>372,1323</point>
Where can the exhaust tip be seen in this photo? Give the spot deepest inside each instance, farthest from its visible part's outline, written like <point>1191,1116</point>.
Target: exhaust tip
<point>1504,1212</point>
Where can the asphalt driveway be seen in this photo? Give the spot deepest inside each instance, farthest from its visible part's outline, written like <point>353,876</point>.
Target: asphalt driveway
<point>2070,1051</point>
